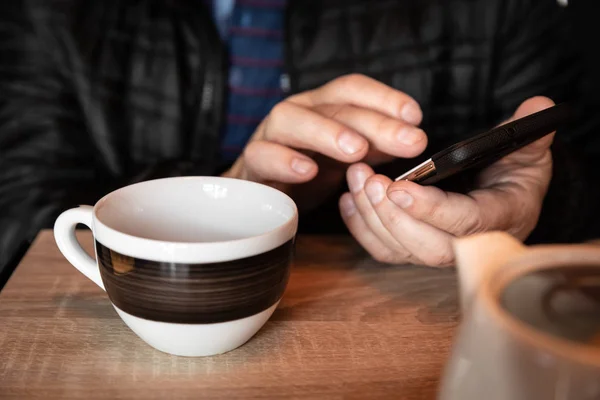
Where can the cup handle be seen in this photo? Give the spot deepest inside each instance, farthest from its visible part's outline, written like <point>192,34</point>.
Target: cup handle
<point>64,234</point>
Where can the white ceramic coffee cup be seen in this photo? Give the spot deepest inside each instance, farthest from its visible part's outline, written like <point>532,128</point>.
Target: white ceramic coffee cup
<point>194,265</point>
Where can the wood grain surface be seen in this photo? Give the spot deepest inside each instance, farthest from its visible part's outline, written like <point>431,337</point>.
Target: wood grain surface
<point>347,327</point>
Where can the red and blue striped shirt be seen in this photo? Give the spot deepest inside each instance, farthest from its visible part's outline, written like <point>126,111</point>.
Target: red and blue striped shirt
<point>253,33</point>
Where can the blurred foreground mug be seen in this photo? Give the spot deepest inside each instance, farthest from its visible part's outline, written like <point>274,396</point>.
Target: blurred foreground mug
<point>531,322</point>
<point>194,265</point>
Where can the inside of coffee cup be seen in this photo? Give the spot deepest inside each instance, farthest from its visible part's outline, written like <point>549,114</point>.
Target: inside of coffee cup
<point>195,209</point>
<point>560,301</point>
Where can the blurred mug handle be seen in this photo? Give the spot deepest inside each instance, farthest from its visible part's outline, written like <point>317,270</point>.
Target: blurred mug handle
<point>64,234</point>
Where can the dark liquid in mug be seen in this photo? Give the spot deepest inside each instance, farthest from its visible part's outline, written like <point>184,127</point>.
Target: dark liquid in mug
<point>564,302</point>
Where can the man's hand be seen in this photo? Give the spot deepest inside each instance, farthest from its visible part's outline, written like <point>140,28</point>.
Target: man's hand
<point>403,222</point>
<point>353,118</point>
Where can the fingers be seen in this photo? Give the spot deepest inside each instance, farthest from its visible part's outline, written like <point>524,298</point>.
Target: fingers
<point>408,238</point>
<point>386,134</point>
<point>357,175</point>
<point>268,161</point>
<point>537,149</point>
<point>508,208</point>
<point>451,212</point>
<point>340,119</point>
<point>292,125</point>
<point>430,245</point>
<point>512,208</point>
<point>416,223</point>
<point>531,106</point>
<point>342,132</point>
<point>362,233</point>
<point>364,92</point>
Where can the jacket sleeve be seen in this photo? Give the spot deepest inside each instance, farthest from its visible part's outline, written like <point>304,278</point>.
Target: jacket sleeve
<point>535,56</point>
<point>43,169</point>
<point>64,139</point>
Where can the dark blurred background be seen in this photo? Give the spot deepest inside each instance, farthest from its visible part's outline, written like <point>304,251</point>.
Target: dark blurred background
<point>44,95</point>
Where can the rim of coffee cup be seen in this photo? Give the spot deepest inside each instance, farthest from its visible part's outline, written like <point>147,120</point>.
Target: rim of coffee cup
<point>195,252</point>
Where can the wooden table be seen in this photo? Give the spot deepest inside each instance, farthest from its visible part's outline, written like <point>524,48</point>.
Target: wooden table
<point>347,327</point>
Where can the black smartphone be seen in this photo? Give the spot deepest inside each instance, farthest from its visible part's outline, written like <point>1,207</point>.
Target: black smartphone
<point>488,147</point>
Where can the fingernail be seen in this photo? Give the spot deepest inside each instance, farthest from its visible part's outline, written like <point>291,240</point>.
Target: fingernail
<point>356,180</point>
<point>302,166</point>
<point>409,135</point>
<point>401,198</point>
<point>412,114</point>
<point>348,207</point>
<point>350,143</point>
<point>375,192</point>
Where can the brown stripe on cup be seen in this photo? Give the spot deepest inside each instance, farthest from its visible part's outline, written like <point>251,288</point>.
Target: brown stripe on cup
<point>195,293</point>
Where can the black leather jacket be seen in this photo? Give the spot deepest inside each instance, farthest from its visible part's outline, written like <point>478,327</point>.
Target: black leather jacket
<point>95,95</point>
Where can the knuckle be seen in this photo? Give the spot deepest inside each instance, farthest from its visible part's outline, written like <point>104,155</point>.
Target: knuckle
<point>439,259</point>
<point>279,112</point>
<point>251,148</point>
<point>388,128</point>
<point>298,98</point>
<point>502,212</point>
<point>350,80</point>
<point>435,211</point>
<point>474,224</point>
<point>470,224</point>
<point>394,98</point>
<point>333,111</point>
<point>525,222</point>
<point>396,220</point>
<point>253,151</point>
<point>281,108</point>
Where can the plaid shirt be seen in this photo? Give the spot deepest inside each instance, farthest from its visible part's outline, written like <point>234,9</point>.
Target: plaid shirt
<point>253,32</point>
